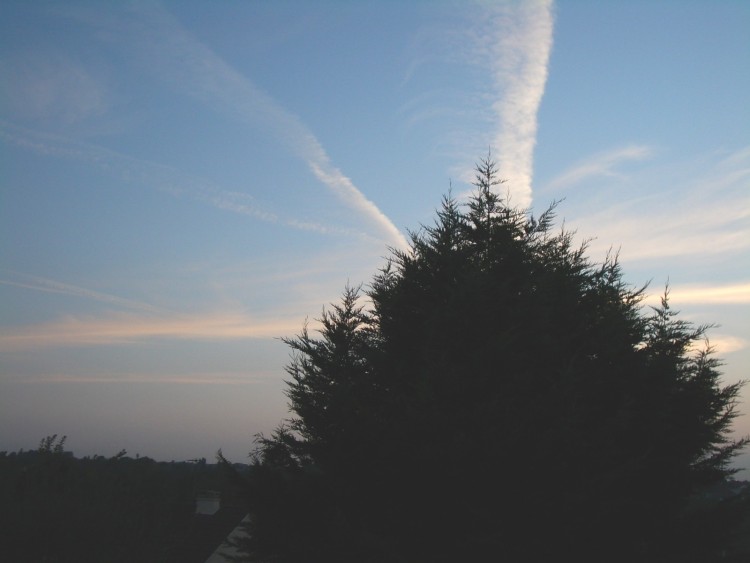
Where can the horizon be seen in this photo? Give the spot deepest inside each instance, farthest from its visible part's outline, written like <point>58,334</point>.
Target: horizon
<point>184,184</point>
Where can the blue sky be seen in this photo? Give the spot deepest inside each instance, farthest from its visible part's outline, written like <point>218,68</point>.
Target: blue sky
<point>182,183</point>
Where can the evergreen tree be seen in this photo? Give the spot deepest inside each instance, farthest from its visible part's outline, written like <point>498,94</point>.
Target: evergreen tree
<point>500,397</point>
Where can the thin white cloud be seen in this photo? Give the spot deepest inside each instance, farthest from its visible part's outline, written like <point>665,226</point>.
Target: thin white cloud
<point>238,202</point>
<point>724,344</point>
<point>734,294</point>
<point>192,68</point>
<point>516,41</point>
<point>348,193</point>
<point>36,283</point>
<point>122,328</point>
<point>692,208</point>
<point>698,295</point>
<point>502,48</point>
<point>163,178</point>
<point>208,378</point>
<point>704,294</point>
<point>52,86</point>
<point>721,344</point>
<point>127,328</point>
<point>602,164</point>
<point>738,159</point>
<point>642,234</point>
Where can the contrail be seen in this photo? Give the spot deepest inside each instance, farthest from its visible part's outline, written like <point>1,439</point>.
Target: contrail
<point>159,176</point>
<point>602,164</point>
<point>518,42</point>
<point>37,283</point>
<point>196,70</point>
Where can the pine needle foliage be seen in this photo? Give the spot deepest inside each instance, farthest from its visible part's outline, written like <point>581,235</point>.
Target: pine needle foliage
<point>494,395</point>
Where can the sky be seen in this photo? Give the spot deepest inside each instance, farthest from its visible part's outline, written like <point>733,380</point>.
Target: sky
<point>183,183</point>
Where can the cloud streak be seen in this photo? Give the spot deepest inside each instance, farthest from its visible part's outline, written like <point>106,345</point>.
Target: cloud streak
<point>704,294</point>
<point>699,295</point>
<point>515,42</point>
<point>123,328</point>
<point>49,85</point>
<point>602,164</point>
<point>36,283</point>
<point>174,55</point>
<point>706,211</point>
<point>732,294</point>
<point>643,235</point>
<point>723,344</point>
<point>212,378</point>
<point>160,177</point>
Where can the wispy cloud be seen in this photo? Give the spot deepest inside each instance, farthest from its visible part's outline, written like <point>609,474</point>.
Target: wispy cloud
<point>724,344</point>
<point>642,234</point>
<point>191,67</point>
<point>515,42</point>
<point>352,197</point>
<point>728,294</point>
<point>52,86</point>
<point>161,177</point>
<point>678,209</point>
<point>128,328</point>
<point>36,283</point>
<point>122,328</point>
<point>602,164</point>
<point>700,295</point>
<point>704,294</point>
<point>721,344</point>
<point>205,378</point>
<point>502,50</point>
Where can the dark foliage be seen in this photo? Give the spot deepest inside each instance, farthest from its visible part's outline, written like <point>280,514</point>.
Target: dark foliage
<point>501,397</point>
<point>57,508</point>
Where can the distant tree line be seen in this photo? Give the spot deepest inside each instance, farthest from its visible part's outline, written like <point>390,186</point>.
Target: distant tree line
<point>56,508</point>
<point>497,396</point>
